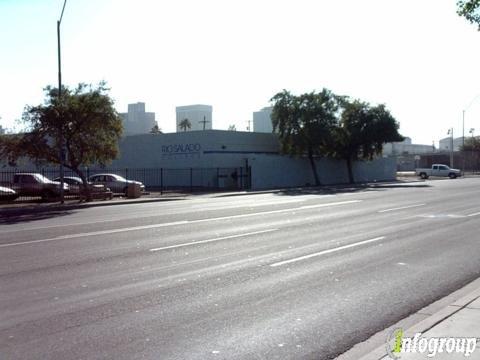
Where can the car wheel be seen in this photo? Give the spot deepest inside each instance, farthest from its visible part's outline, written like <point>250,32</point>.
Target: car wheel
<point>452,175</point>
<point>423,176</point>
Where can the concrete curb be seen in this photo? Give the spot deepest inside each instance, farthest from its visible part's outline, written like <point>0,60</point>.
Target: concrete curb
<point>432,320</point>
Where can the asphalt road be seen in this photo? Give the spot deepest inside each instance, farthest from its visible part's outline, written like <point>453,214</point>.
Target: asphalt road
<point>298,275</point>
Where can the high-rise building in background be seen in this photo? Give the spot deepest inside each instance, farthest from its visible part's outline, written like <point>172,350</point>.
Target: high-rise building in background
<point>262,120</point>
<point>199,117</point>
<point>137,121</point>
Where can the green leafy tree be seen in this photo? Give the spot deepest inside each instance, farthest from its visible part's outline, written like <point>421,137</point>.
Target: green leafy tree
<point>85,117</point>
<point>185,124</point>
<point>303,123</point>
<point>471,144</point>
<point>470,10</point>
<point>361,132</point>
<point>472,147</point>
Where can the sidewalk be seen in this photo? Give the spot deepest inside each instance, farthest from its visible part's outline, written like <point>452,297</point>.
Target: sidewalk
<point>460,319</point>
<point>169,196</point>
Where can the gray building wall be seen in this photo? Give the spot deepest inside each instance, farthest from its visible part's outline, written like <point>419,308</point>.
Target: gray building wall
<point>194,149</point>
<point>283,171</point>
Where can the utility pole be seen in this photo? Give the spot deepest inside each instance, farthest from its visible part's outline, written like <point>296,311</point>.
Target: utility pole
<point>61,145</point>
<point>204,122</point>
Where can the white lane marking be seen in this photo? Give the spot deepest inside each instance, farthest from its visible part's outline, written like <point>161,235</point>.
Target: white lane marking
<point>144,227</point>
<point>324,252</point>
<point>306,207</point>
<point>212,240</point>
<point>442,216</point>
<point>401,208</point>
<point>474,214</point>
<point>181,213</point>
<point>104,232</point>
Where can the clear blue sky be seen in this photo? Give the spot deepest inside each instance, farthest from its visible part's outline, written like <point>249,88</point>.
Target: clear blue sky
<point>416,56</point>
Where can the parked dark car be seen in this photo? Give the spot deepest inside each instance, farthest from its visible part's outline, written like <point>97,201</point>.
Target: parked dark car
<point>76,187</point>
<point>7,194</point>
<point>116,183</point>
<point>34,184</point>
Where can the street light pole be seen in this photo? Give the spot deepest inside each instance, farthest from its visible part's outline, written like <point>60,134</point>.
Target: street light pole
<point>463,142</point>
<point>450,132</point>
<point>61,146</point>
<point>472,130</point>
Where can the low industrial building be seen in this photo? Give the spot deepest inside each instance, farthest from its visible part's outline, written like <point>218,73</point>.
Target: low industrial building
<point>449,143</point>
<point>217,158</point>
<point>406,147</point>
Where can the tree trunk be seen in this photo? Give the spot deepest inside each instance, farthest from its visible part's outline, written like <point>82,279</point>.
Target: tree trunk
<point>314,168</point>
<point>86,188</point>
<point>351,180</point>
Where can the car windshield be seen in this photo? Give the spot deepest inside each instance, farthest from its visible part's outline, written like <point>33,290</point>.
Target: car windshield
<point>70,180</point>
<point>42,178</point>
<point>74,180</point>
<point>118,177</point>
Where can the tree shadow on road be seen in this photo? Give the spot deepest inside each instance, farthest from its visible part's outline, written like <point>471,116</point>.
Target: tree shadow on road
<point>17,216</point>
<point>339,189</point>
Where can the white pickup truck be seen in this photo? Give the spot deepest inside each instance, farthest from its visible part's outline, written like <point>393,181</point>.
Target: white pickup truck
<point>438,170</point>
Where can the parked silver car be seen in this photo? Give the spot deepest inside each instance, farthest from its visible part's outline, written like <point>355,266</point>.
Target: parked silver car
<point>115,183</point>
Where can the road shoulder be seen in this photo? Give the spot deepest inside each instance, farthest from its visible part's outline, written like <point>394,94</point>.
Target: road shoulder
<point>429,318</point>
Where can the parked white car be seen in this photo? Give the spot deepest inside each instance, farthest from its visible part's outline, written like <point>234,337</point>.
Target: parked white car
<point>116,183</point>
<point>438,170</point>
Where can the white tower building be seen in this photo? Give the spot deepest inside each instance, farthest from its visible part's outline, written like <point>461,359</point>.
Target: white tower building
<point>262,120</point>
<point>199,117</point>
<point>137,121</point>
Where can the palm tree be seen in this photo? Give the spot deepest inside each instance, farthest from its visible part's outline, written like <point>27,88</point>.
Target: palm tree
<point>156,129</point>
<point>185,124</point>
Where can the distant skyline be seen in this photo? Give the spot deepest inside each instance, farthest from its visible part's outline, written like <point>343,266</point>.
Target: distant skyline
<point>417,57</point>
